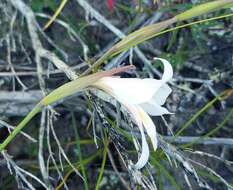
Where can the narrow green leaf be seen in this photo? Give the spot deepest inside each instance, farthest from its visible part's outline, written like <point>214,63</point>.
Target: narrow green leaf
<point>102,165</point>
<point>74,125</point>
<point>203,9</point>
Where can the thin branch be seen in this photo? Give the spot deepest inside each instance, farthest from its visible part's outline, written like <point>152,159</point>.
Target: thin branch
<point>200,140</point>
<point>125,184</point>
<point>10,127</point>
<point>43,170</point>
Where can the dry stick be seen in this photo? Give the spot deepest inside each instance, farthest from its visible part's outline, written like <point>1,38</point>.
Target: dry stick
<point>61,151</point>
<point>201,153</point>
<point>10,127</point>
<point>19,176</point>
<point>9,50</point>
<point>40,52</point>
<point>33,73</point>
<point>10,63</point>
<point>19,172</point>
<point>200,140</point>
<point>36,42</point>
<point>52,154</point>
<point>125,184</point>
<point>43,170</point>
<point>211,171</point>
<point>187,166</point>
<point>72,33</point>
<point>195,140</point>
<point>187,181</point>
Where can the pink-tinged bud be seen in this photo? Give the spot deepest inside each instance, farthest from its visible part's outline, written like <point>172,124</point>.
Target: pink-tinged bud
<point>110,4</point>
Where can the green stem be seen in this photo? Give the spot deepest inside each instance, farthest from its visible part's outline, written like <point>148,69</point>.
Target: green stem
<point>165,172</point>
<point>200,112</point>
<point>102,165</point>
<point>60,93</point>
<point>203,9</point>
<point>85,162</point>
<point>219,126</point>
<point>21,125</point>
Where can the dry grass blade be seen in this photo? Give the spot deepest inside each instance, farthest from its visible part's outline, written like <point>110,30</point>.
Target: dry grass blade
<point>58,11</point>
<point>153,30</point>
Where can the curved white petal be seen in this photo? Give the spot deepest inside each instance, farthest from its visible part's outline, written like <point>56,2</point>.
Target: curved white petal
<point>168,71</point>
<point>150,128</point>
<point>152,108</point>
<point>144,157</point>
<point>161,95</point>
<point>129,90</point>
<point>135,111</point>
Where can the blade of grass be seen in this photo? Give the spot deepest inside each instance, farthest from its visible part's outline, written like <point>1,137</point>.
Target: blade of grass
<point>203,9</point>
<point>85,162</point>
<point>106,141</point>
<point>222,124</point>
<point>208,175</point>
<point>74,125</point>
<point>21,125</point>
<point>224,95</point>
<point>200,112</point>
<point>81,142</point>
<point>216,129</point>
<point>160,180</point>
<point>165,172</point>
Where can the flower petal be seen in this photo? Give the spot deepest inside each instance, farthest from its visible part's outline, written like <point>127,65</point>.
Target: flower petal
<point>168,71</point>
<point>144,157</point>
<point>135,111</point>
<point>152,108</point>
<point>129,90</point>
<point>161,95</point>
<point>150,128</point>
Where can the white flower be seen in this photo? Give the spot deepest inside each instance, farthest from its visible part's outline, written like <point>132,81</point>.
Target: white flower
<point>141,97</point>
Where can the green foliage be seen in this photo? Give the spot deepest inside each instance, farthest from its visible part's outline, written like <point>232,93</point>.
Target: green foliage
<point>6,182</point>
<point>176,59</point>
<point>79,152</point>
<point>164,173</point>
<point>39,5</point>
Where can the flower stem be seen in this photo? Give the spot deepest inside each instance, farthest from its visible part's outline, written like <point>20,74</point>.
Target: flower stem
<point>20,126</point>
